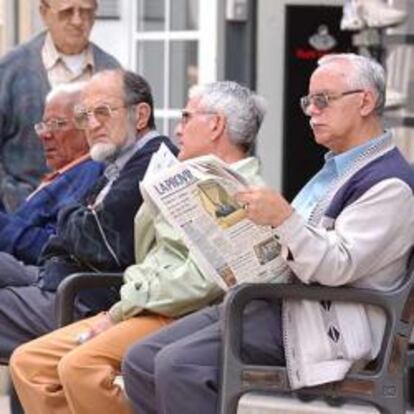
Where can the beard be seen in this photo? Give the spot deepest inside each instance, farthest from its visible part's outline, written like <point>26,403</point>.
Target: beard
<point>103,151</point>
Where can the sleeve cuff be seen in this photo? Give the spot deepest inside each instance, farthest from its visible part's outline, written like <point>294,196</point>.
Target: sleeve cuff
<point>133,300</point>
<point>289,228</point>
<point>115,313</point>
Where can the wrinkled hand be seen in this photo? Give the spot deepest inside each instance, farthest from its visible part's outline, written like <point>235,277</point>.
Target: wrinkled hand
<point>103,323</point>
<point>265,206</point>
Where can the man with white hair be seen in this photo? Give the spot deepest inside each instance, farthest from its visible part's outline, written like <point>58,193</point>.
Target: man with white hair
<point>352,224</point>
<point>61,54</point>
<point>24,233</point>
<point>57,374</point>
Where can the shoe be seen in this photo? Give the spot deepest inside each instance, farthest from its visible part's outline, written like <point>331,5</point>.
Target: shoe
<point>351,18</point>
<point>394,99</point>
<point>377,14</point>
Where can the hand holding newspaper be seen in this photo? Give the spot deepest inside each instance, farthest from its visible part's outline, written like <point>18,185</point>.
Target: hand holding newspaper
<point>197,198</point>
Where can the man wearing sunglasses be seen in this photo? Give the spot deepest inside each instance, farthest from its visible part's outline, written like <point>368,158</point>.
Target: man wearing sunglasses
<point>352,224</point>
<point>95,234</point>
<point>24,233</point>
<point>61,54</point>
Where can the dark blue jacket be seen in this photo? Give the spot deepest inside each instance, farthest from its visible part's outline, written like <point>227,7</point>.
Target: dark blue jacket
<point>24,233</point>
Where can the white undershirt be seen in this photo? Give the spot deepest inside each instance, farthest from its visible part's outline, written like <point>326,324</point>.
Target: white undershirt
<point>75,62</point>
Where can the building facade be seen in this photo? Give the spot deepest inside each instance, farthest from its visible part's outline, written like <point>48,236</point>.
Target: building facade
<point>270,46</point>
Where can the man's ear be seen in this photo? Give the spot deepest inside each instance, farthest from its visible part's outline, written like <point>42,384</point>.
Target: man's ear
<point>368,103</point>
<point>218,123</point>
<point>42,12</point>
<point>143,113</point>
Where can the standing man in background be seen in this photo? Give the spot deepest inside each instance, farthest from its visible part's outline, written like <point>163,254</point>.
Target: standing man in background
<point>61,54</point>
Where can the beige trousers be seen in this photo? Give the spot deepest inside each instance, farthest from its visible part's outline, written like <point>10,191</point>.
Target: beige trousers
<point>54,374</point>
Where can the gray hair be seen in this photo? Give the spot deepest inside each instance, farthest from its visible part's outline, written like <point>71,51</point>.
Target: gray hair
<point>72,88</point>
<point>367,74</point>
<point>243,109</point>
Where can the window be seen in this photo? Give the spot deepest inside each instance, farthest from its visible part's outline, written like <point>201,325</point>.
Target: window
<point>174,47</point>
<point>108,9</point>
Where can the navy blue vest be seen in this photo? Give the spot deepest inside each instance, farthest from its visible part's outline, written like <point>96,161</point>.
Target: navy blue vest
<point>390,165</point>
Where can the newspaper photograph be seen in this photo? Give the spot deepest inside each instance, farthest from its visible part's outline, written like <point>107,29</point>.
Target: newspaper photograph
<point>197,199</point>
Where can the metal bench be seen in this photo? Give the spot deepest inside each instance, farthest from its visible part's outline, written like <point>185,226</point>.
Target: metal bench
<point>380,384</point>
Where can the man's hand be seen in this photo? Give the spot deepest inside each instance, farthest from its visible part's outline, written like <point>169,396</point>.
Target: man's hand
<point>265,206</point>
<point>100,325</point>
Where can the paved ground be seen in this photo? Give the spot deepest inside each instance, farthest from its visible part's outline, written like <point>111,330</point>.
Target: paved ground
<point>4,405</point>
<point>255,403</point>
<point>4,408</point>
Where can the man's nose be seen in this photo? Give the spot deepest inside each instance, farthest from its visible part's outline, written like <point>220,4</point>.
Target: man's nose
<point>46,135</point>
<point>178,130</point>
<point>312,109</point>
<point>76,17</point>
<point>93,123</point>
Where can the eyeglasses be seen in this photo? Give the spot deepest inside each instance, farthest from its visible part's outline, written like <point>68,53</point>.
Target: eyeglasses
<point>52,125</point>
<point>321,100</point>
<point>102,113</point>
<point>187,115</point>
<point>85,13</point>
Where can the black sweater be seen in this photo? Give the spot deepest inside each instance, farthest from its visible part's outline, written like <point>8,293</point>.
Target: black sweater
<point>81,244</point>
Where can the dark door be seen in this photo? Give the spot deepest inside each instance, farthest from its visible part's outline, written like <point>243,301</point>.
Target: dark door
<point>311,32</point>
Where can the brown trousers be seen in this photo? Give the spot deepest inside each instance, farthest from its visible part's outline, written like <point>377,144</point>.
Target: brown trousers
<point>54,374</point>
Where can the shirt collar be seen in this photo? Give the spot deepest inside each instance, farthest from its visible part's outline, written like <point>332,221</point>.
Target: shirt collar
<point>344,160</point>
<point>126,153</point>
<point>245,164</point>
<point>52,175</point>
<point>51,56</point>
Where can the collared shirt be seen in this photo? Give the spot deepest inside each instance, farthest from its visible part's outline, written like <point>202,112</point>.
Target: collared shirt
<point>58,71</point>
<point>336,165</point>
<point>113,170</point>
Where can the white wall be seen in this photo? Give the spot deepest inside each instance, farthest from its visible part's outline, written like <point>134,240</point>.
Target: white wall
<point>270,75</point>
<point>115,36</point>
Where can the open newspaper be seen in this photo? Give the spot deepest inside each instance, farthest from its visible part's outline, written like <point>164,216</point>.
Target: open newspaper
<point>197,198</point>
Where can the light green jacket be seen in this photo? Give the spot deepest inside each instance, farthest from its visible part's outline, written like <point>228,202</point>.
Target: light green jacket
<point>166,280</point>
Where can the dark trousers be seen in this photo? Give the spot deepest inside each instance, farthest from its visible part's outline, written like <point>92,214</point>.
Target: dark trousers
<point>176,370</point>
<point>26,311</point>
<point>16,273</point>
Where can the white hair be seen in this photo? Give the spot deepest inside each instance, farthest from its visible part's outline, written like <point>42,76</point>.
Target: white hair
<point>367,74</point>
<point>243,109</point>
<point>72,88</point>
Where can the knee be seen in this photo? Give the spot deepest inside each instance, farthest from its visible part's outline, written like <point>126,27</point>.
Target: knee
<point>22,362</point>
<point>168,364</point>
<point>138,362</point>
<point>72,369</point>
<point>84,368</point>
